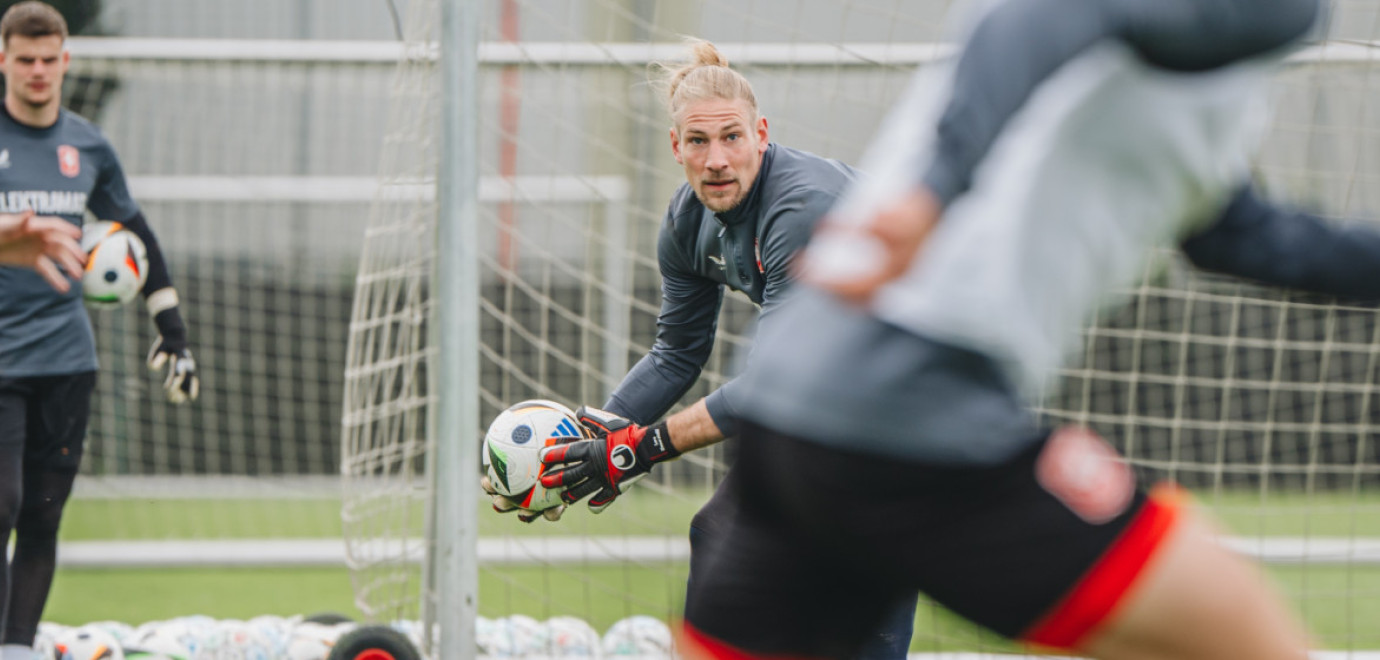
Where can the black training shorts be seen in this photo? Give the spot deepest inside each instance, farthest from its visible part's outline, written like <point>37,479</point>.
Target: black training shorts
<point>43,419</point>
<point>823,542</point>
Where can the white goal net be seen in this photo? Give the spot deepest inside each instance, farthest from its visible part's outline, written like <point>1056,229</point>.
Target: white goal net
<point>251,134</point>
<point>1261,402</point>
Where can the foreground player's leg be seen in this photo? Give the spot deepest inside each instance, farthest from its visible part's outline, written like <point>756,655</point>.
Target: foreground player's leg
<point>1200,600</point>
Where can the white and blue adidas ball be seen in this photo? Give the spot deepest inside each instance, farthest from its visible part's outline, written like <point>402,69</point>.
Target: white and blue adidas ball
<point>117,264</point>
<point>513,445</point>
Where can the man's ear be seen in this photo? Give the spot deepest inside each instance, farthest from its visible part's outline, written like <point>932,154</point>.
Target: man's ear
<point>761,134</point>
<point>675,143</point>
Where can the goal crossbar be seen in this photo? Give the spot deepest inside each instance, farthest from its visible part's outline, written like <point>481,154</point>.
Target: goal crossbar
<point>576,53</point>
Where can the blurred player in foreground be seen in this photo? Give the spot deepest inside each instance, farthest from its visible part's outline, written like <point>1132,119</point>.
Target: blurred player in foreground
<point>57,165</point>
<point>747,208</point>
<point>48,245</point>
<point>887,442</point>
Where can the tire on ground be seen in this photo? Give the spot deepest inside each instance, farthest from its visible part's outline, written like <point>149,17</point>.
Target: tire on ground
<point>374,643</point>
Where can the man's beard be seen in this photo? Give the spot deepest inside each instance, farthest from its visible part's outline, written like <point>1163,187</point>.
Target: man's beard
<point>704,199</point>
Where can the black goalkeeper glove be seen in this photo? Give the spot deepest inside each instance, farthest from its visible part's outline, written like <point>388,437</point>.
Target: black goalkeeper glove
<point>170,348</point>
<point>619,454</point>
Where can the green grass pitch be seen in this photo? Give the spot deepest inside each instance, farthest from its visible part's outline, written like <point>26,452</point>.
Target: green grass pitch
<point>1340,603</point>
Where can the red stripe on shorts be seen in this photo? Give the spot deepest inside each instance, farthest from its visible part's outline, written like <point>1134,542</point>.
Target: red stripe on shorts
<point>1111,578</point>
<point>697,644</point>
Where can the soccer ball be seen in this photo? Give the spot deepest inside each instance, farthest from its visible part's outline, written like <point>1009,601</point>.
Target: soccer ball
<point>313,641</point>
<point>515,636</point>
<point>175,639</point>
<point>641,636</point>
<point>117,264</point>
<point>513,445</point>
<point>88,643</point>
<point>571,637</point>
<point>45,642</point>
<point>120,630</point>
<point>231,639</point>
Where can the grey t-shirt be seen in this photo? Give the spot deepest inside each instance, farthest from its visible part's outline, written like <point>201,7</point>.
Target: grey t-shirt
<point>1075,148</point>
<point>61,170</point>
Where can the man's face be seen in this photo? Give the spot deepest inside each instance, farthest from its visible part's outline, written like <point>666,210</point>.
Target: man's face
<point>34,67</point>
<point>720,144</point>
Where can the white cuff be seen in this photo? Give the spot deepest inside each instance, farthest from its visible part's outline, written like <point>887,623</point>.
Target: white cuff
<point>160,300</point>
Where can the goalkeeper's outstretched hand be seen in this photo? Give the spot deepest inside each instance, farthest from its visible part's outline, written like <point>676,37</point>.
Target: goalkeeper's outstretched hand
<point>619,454</point>
<point>505,504</point>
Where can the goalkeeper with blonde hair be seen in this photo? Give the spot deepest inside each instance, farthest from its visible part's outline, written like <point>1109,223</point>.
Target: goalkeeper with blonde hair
<point>747,208</point>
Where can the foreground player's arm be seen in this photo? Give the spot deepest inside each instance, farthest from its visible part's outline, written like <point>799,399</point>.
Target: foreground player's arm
<point>1016,46</point>
<point>49,245</point>
<point>1010,52</point>
<point>786,228</point>
<point>1284,247</point>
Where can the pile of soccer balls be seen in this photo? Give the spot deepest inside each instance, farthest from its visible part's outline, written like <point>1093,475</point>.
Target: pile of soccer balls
<point>279,638</point>
<point>519,636</point>
<point>191,638</point>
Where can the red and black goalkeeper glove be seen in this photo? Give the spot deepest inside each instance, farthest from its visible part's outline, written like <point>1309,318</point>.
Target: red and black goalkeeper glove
<point>619,454</point>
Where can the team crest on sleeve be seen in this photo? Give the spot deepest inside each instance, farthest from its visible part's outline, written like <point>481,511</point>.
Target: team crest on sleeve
<point>1080,469</point>
<point>69,161</point>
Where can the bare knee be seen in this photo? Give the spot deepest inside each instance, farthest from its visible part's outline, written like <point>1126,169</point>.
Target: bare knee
<point>1200,600</point>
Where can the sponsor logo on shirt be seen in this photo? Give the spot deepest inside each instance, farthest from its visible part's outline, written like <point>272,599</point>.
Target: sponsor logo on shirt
<point>69,161</point>
<point>43,202</point>
<point>718,261</point>
<point>4,159</point>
